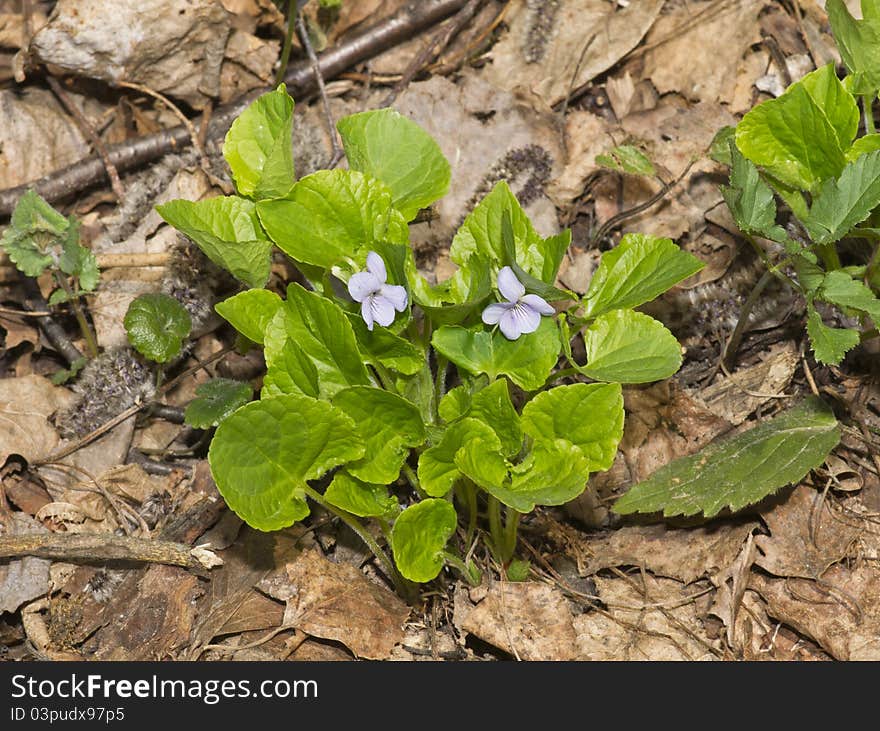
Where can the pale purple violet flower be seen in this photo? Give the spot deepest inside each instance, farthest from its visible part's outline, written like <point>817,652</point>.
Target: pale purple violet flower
<point>378,300</point>
<point>521,313</point>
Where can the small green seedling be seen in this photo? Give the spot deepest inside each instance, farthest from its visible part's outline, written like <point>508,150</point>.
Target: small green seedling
<point>429,411</point>
<point>805,150</point>
<point>40,239</point>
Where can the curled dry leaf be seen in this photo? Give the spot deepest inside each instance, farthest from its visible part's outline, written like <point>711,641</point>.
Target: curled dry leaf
<point>529,620</point>
<point>37,135</point>
<point>806,537</point>
<point>26,404</point>
<point>841,612</point>
<point>338,602</point>
<point>684,554</point>
<point>557,46</point>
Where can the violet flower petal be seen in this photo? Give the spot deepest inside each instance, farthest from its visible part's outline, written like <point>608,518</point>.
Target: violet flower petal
<point>363,284</point>
<point>376,267</point>
<point>509,286</point>
<point>367,311</point>
<point>381,309</point>
<point>492,314</point>
<point>395,294</point>
<point>538,304</point>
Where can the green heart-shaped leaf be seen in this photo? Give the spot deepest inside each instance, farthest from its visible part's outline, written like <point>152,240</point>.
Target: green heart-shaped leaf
<point>156,325</point>
<point>262,456</point>
<point>419,538</point>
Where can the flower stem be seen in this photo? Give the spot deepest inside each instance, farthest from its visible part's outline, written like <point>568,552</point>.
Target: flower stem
<point>91,342</point>
<point>868,114</point>
<point>467,492</point>
<point>470,574</point>
<point>413,480</point>
<point>404,587</point>
<point>292,12</point>
<point>496,529</point>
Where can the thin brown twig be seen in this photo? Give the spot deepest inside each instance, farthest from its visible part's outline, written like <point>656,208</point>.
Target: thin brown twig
<point>129,412</point>
<point>403,25</point>
<point>619,218</point>
<point>173,108</point>
<point>322,90</point>
<point>89,133</point>
<point>434,47</point>
<point>98,547</point>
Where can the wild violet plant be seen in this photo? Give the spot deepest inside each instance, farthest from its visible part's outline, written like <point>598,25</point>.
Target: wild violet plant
<point>805,149</point>
<point>395,403</point>
<point>40,239</point>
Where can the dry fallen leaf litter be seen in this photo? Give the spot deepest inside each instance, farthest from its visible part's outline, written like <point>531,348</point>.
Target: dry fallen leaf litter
<point>534,99</point>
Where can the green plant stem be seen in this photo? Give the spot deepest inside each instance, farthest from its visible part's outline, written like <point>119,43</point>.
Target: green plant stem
<point>292,12</point>
<point>868,114</point>
<point>744,314</point>
<point>440,380</point>
<point>91,342</point>
<point>413,479</point>
<point>404,587</point>
<point>503,533</point>
<point>511,526</point>
<point>461,567</point>
<point>560,374</point>
<point>829,256</point>
<point>467,491</point>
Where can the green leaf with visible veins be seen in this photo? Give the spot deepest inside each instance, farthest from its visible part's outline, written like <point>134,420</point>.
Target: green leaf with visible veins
<point>331,215</point>
<point>387,425</point>
<point>750,199</point>
<point>321,330</point>
<point>360,498</point>
<point>624,346</point>
<point>289,370</point>
<point>227,230</point>
<point>845,201</point>
<point>388,146</point>
<point>741,470</point>
<point>156,325</point>
<point>250,312</point>
<point>419,538</point>
<point>262,456</point>
<point>259,146</point>
<point>492,406</point>
<point>636,271</point>
<point>553,473</point>
<point>830,344</point>
<point>527,361</point>
<point>380,346</point>
<point>801,137</point>
<point>215,400</point>
<point>589,415</point>
<point>35,229</point>
<point>437,469</point>
<point>480,235</point>
<point>858,41</point>
<point>840,289</point>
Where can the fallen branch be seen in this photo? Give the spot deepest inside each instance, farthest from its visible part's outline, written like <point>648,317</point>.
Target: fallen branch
<point>406,23</point>
<point>97,547</point>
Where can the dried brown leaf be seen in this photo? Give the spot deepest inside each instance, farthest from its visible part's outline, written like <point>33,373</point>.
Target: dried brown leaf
<point>685,554</point>
<point>529,620</point>
<point>553,48</point>
<point>841,612</point>
<point>806,537</point>
<point>22,579</point>
<point>337,602</point>
<point>26,404</point>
